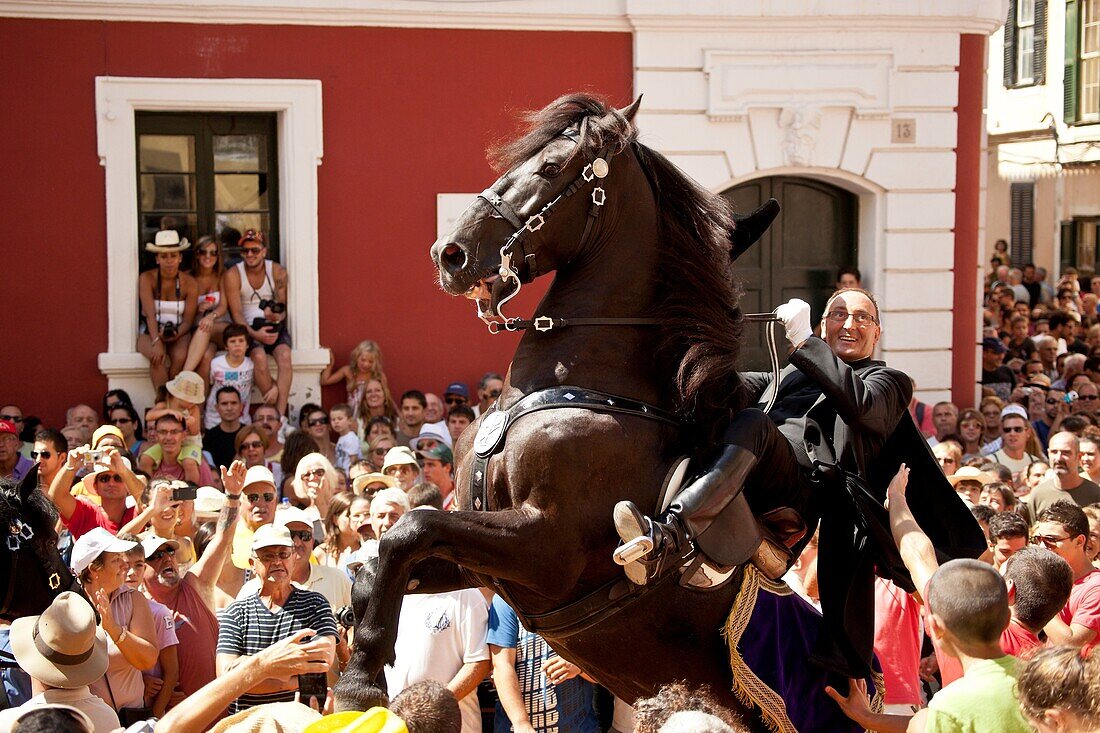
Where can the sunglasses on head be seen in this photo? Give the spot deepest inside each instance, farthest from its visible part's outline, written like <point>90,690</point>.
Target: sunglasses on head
<point>274,305</point>
<point>36,454</point>
<point>266,496</point>
<point>318,421</point>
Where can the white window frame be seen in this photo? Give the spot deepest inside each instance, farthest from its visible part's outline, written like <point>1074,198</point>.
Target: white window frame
<point>1087,113</point>
<point>1025,31</point>
<point>297,104</point>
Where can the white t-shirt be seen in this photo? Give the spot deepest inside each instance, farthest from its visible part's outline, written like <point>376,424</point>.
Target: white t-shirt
<point>348,450</point>
<point>223,375</point>
<point>436,635</point>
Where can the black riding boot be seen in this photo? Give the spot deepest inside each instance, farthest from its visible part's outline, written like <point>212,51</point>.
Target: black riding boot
<point>648,543</point>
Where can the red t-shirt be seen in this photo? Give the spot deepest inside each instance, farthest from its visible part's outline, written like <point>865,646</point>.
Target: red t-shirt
<point>87,516</point>
<point>1084,605</point>
<point>1018,640</point>
<point>897,642</point>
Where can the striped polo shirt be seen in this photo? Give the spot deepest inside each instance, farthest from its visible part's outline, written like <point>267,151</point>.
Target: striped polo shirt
<point>248,627</point>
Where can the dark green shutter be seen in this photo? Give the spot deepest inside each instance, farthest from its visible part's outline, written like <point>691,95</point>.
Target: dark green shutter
<point>1010,46</point>
<point>1069,246</point>
<point>1069,85</point>
<point>1040,58</point>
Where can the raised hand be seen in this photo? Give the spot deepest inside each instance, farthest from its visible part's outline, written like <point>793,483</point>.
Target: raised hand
<point>233,477</point>
<point>795,317</point>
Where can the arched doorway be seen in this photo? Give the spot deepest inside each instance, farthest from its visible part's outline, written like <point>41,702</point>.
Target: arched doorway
<point>814,234</point>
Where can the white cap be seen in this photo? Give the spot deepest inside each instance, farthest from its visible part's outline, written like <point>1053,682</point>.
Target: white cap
<point>152,543</point>
<point>93,544</point>
<point>271,536</point>
<point>208,501</point>
<point>285,515</point>
<point>1014,409</point>
<point>436,431</point>
<point>258,475</point>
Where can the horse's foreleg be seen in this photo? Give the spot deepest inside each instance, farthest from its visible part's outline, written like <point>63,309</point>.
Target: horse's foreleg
<point>500,544</point>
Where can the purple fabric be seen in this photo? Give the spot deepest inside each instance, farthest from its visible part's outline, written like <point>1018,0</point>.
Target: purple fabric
<point>777,644</point>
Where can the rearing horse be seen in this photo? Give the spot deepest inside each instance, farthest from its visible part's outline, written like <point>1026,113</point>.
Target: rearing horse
<point>629,367</point>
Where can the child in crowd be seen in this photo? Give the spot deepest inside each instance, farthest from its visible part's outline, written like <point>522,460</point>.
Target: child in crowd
<point>231,369</point>
<point>366,364</point>
<point>342,421</point>
<point>185,393</point>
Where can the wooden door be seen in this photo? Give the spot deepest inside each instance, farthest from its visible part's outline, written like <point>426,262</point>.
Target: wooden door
<point>797,257</point>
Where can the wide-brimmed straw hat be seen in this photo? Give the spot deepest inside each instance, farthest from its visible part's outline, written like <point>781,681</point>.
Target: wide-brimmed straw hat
<point>970,473</point>
<point>167,241</point>
<point>364,480</point>
<point>62,647</point>
<point>188,387</point>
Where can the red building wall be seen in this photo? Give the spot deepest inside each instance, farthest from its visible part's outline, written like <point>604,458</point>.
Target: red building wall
<point>407,114</point>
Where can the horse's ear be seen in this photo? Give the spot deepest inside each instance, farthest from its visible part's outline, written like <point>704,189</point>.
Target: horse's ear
<point>629,112</point>
<point>29,483</point>
<point>750,227</point>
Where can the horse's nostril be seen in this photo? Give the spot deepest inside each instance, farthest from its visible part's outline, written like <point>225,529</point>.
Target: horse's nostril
<point>453,258</point>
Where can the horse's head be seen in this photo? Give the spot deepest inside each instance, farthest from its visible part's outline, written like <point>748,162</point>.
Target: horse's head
<point>537,215</point>
<point>32,573</point>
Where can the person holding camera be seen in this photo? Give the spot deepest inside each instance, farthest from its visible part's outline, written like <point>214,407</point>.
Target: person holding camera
<point>256,293</point>
<point>169,299</point>
<point>110,478</point>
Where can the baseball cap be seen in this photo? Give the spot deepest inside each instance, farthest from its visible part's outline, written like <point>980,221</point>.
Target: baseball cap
<point>270,535</point>
<point>7,426</point>
<point>994,344</point>
<point>292,515</point>
<point>436,431</point>
<point>439,453</point>
<point>152,543</point>
<point>208,502</point>
<point>103,431</point>
<point>258,475</point>
<point>457,388</point>
<point>1017,410</point>
<point>93,544</point>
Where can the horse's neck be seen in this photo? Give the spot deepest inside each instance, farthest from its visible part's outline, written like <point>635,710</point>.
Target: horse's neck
<point>619,282</point>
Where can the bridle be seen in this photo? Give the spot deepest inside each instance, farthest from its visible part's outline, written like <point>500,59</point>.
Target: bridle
<point>59,578</point>
<point>595,171</point>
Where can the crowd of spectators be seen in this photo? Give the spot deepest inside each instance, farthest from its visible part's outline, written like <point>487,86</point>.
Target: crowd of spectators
<point>217,541</point>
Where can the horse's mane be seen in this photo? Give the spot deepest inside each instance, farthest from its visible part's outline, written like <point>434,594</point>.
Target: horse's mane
<point>36,510</point>
<point>701,322</point>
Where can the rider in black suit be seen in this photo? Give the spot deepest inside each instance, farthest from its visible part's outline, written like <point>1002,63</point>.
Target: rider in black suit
<point>837,416</point>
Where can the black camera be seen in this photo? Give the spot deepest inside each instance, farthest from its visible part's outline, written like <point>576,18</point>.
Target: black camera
<point>259,324</point>
<point>169,330</point>
<point>345,617</point>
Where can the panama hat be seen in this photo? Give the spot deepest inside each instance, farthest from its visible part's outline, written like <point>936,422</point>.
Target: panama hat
<point>62,647</point>
<point>362,481</point>
<point>399,456</point>
<point>167,241</point>
<point>187,386</point>
<point>969,473</point>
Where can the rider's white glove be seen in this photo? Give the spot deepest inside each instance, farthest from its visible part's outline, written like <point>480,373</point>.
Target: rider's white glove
<point>795,317</point>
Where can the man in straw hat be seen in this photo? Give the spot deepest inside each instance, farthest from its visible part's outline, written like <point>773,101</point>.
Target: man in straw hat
<point>968,482</point>
<point>63,652</point>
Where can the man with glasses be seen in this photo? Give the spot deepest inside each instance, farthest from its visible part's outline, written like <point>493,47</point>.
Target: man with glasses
<point>110,478</point>
<point>14,413</point>
<point>192,597</point>
<point>949,455</point>
<point>278,610</point>
<point>1088,399</point>
<point>258,495</point>
<point>456,394</point>
<point>1013,453</point>
<point>834,409</point>
<point>995,375</point>
<point>269,418</point>
<point>488,390</point>
<point>333,583</point>
<point>256,293</point>
<point>1067,484</point>
<point>1064,529</point>
<point>1055,409</point>
<point>13,464</point>
<point>170,436</point>
<point>49,451</point>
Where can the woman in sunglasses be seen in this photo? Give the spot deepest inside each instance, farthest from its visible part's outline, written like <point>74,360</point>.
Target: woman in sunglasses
<point>316,423</point>
<point>126,419</point>
<point>207,268</point>
<point>314,484</point>
<point>377,449</point>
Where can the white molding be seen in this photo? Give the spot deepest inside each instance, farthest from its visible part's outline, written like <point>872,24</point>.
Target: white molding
<point>733,16</point>
<point>297,103</point>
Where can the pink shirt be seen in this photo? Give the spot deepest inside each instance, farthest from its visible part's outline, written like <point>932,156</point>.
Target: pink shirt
<point>897,642</point>
<point>197,631</point>
<point>87,516</point>
<point>1084,605</point>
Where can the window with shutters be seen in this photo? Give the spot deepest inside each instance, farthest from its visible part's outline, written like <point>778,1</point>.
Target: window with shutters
<point>1022,224</point>
<point>1089,110</point>
<point>1025,43</point>
<point>1079,242</point>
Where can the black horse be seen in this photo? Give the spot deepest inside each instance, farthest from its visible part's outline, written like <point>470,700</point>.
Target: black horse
<point>629,367</point>
<point>32,572</point>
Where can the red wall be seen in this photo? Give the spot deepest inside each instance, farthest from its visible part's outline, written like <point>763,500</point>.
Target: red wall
<point>407,114</point>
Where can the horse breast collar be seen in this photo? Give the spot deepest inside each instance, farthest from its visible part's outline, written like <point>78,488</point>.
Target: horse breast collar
<point>494,426</point>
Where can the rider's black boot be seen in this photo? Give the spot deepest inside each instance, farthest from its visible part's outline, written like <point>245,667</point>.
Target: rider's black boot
<point>648,543</point>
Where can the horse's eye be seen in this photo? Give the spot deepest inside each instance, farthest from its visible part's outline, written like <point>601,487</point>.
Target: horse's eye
<point>550,170</point>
